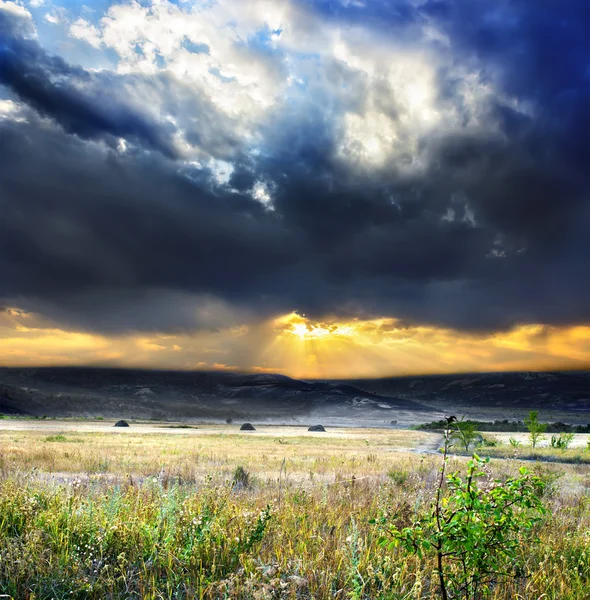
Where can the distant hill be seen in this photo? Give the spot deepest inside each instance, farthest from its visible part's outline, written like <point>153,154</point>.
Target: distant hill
<point>180,395</point>
<point>219,395</point>
<point>561,391</point>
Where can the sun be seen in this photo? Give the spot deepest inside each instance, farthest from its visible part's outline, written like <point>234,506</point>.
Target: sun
<point>300,327</point>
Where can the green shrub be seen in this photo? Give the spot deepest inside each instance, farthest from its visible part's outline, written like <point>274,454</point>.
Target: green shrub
<point>60,437</point>
<point>473,529</point>
<point>488,442</point>
<point>398,477</point>
<point>241,479</point>
<point>464,434</point>
<point>562,441</point>
<point>535,428</point>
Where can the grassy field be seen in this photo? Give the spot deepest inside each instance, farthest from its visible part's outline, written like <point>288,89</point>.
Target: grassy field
<point>87,511</point>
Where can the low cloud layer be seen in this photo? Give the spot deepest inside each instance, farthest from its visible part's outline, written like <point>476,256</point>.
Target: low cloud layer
<point>427,163</point>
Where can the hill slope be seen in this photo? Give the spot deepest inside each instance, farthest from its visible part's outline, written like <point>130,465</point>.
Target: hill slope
<point>566,393</point>
<point>178,395</point>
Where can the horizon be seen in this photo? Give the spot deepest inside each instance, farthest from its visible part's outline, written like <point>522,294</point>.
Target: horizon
<point>323,190</point>
<point>98,367</point>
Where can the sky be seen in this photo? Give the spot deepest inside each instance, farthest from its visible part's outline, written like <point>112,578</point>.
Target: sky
<point>320,188</point>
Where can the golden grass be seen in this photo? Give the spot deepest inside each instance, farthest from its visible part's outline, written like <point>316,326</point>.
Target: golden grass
<point>157,515</point>
<point>194,454</point>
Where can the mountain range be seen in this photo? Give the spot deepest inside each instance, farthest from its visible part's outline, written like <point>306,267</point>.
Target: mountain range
<point>226,396</point>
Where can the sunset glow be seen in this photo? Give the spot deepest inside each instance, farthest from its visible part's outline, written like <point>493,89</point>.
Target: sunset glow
<point>321,189</point>
<point>294,345</point>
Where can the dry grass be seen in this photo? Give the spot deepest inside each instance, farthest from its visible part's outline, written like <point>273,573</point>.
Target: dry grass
<point>191,455</point>
<point>158,515</point>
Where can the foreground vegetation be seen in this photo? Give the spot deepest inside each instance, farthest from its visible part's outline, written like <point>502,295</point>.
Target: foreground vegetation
<point>269,515</point>
<point>562,447</point>
<point>509,426</point>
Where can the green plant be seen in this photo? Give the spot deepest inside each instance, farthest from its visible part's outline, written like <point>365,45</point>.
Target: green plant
<point>474,531</point>
<point>397,476</point>
<point>241,479</point>
<point>256,534</point>
<point>464,434</point>
<point>486,441</point>
<point>536,429</point>
<point>354,574</point>
<point>515,443</point>
<point>60,437</point>
<point>562,441</point>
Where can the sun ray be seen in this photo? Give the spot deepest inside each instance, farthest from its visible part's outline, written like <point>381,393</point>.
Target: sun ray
<point>300,347</point>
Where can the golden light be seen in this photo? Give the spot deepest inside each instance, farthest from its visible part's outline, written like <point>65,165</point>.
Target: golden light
<point>300,347</point>
<point>299,326</point>
<point>300,330</point>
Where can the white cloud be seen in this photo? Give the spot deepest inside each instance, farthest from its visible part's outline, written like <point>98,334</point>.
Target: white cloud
<point>240,64</point>
<point>204,46</point>
<point>11,111</point>
<point>83,30</point>
<point>221,171</point>
<point>16,8</point>
<point>122,146</point>
<point>52,18</point>
<point>261,192</point>
<point>399,103</point>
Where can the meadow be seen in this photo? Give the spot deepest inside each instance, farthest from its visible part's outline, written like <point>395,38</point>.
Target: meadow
<point>161,511</point>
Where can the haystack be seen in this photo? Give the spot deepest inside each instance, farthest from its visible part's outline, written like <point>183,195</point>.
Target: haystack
<point>317,428</point>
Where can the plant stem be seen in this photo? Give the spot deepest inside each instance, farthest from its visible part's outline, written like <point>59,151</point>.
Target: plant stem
<point>439,552</point>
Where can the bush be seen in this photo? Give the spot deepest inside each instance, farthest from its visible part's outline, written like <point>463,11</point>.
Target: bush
<point>488,442</point>
<point>241,478</point>
<point>535,428</point>
<point>398,477</point>
<point>464,434</point>
<point>473,531</point>
<point>562,441</point>
<point>60,437</point>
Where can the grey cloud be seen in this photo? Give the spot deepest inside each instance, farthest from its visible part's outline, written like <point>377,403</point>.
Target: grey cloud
<point>82,103</point>
<point>490,232</point>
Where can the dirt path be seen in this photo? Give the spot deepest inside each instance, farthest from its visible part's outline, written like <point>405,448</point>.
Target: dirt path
<point>430,446</point>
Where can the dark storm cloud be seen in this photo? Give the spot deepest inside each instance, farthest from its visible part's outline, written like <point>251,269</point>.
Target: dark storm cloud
<point>87,110</point>
<point>385,245</point>
<point>82,223</point>
<point>538,51</point>
<point>491,233</point>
